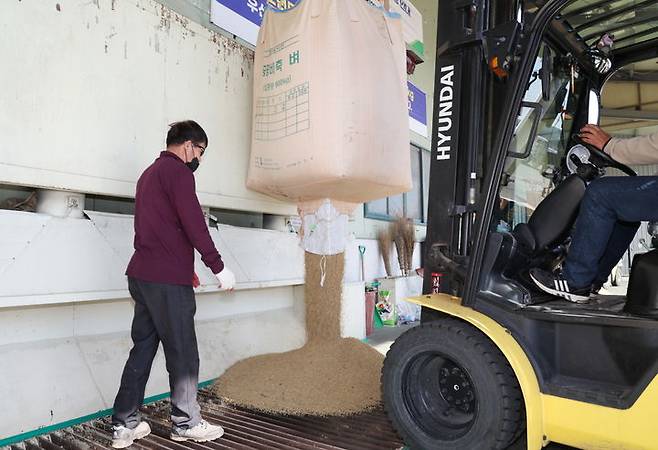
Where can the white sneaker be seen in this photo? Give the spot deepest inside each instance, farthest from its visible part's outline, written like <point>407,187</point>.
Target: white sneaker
<point>123,437</point>
<point>201,432</point>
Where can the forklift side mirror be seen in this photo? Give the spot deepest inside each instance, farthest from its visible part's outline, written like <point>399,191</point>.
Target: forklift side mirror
<point>522,142</point>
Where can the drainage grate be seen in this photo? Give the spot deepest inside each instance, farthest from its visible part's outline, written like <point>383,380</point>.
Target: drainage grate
<point>245,430</point>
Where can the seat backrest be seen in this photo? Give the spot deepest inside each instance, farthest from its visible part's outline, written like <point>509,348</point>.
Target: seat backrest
<point>554,217</point>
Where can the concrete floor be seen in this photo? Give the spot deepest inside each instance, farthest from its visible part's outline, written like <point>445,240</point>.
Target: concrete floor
<point>620,289</point>
<point>382,338</point>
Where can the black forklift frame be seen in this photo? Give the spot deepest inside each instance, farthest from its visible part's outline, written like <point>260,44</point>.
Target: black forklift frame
<point>575,355</point>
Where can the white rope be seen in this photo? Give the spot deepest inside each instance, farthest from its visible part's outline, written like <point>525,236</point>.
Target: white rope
<point>323,269</point>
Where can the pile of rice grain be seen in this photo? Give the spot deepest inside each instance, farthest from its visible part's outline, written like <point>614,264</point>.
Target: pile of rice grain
<point>330,375</point>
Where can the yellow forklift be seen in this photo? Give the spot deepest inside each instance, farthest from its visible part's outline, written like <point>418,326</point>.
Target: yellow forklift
<point>495,362</point>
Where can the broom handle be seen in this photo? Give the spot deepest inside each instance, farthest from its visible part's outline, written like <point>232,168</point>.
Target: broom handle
<point>387,4</point>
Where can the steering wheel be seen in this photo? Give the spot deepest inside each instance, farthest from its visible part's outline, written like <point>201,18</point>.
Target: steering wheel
<point>602,159</point>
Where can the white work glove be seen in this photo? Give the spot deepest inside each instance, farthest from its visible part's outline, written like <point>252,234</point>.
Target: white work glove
<point>226,279</point>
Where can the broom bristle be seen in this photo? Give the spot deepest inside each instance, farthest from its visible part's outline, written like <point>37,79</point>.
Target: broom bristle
<point>409,235</point>
<point>396,233</point>
<point>385,241</point>
<point>404,236</point>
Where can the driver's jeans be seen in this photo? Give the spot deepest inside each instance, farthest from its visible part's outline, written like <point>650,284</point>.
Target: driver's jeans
<point>609,217</point>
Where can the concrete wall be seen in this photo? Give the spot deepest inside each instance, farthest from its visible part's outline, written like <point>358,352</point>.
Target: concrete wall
<point>65,312</point>
<point>423,77</point>
<point>64,361</point>
<point>88,90</point>
<point>373,262</point>
<point>92,86</point>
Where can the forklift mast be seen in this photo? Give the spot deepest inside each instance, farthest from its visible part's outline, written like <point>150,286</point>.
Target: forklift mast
<point>484,56</point>
<point>496,357</point>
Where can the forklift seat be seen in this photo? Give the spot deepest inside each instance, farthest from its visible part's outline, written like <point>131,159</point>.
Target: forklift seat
<point>553,218</point>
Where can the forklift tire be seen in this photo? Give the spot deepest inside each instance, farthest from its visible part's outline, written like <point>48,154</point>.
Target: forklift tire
<point>445,385</point>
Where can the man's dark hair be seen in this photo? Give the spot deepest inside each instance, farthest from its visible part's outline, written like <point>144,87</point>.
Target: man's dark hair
<point>186,130</point>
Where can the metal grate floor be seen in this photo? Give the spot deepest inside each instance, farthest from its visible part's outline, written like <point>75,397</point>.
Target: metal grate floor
<point>244,429</point>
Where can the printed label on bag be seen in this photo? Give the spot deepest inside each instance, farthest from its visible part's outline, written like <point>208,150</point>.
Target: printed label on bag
<point>281,115</point>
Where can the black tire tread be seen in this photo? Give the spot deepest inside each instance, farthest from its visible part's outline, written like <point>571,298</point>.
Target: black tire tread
<point>513,405</point>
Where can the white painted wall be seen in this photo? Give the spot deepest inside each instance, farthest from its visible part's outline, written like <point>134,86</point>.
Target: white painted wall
<point>65,312</point>
<point>88,90</point>
<point>45,259</point>
<point>64,361</point>
<point>373,261</point>
<point>92,86</point>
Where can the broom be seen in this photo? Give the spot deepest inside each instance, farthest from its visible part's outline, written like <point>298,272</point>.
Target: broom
<point>404,237</point>
<point>398,239</point>
<point>384,240</point>
<point>409,238</point>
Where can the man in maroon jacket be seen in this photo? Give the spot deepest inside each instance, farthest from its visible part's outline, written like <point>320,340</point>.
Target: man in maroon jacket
<point>169,225</point>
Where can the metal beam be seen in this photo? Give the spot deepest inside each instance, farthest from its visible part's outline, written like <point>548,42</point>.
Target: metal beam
<point>635,76</point>
<point>622,25</point>
<point>640,34</point>
<point>633,125</point>
<point>587,8</point>
<point>629,114</point>
<point>614,13</point>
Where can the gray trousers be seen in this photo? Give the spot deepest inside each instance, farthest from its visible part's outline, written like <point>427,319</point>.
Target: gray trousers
<point>163,313</point>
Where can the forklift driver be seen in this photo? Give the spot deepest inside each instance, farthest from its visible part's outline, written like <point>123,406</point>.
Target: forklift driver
<point>609,217</point>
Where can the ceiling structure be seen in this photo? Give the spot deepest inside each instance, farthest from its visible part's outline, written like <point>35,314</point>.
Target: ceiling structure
<point>630,98</point>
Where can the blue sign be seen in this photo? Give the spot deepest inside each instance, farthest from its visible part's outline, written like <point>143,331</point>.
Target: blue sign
<point>417,103</point>
<point>243,17</point>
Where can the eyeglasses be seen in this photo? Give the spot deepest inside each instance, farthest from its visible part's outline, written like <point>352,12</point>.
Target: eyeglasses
<point>203,149</point>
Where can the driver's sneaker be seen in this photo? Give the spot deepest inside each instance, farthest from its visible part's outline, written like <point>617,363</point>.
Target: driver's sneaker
<point>201,432</point>
<point>555,284</point>
<point>123,437</point>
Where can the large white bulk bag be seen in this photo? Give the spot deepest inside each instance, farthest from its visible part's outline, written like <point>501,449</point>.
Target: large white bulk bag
<point>330,103</point>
